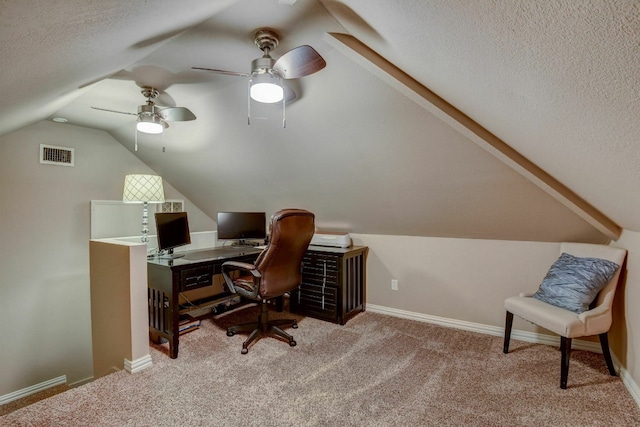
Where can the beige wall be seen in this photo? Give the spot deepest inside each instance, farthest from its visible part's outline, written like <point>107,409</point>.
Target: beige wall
<point>119,310</point>
<point>462,279</point>
<point>44,285</point>
<point>625,334</point>
<point>44,256</point>
<point>468,280</point>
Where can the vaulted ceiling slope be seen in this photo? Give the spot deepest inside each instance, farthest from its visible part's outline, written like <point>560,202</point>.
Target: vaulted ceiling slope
<point>556,81</point>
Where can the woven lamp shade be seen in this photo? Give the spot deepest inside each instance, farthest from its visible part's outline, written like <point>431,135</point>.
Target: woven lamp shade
<point>143,188</point>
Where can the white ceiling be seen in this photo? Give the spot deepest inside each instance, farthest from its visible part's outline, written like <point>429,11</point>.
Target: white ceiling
<point>556,80</point>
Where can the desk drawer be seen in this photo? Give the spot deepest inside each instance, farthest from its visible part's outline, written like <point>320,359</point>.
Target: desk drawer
<point>193,278</point>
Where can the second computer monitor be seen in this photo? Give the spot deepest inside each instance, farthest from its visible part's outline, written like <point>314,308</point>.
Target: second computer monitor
<point>242,226</point>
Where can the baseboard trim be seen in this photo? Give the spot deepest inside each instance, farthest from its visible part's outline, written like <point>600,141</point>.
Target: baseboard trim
<point>525,336</point>
<point>81,382</point>
<point>28,391</point>
<point>137,365</point>
<point>629,383</point>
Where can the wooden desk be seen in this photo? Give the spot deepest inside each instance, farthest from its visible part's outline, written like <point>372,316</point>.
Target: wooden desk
<point>168,277</point>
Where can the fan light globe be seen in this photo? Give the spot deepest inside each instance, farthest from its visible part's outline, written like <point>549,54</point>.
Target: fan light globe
<point>149,124</point>
<point>266,88</point>
<point>147,127</point>
<point>266,92</point>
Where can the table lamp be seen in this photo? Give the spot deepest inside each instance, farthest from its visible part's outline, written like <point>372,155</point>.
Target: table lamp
<point>143,189</point>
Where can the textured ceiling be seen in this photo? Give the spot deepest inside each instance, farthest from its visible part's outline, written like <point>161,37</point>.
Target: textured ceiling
<point>557,81</point>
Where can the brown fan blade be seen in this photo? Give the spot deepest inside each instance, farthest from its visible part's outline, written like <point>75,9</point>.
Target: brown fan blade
<point>114,111</point>
<point>176,114</point>
<point>229,73</point>
<point>299,62</point>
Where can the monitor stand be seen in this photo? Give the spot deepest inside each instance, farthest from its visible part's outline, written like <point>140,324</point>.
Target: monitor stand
<point>168,254</point>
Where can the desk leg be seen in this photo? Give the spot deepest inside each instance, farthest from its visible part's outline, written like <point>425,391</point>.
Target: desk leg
<point>174,327</point>
<point>155,337</point>
<point>173,348</point>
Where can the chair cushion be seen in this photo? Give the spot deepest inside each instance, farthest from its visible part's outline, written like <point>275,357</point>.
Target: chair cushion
<point>573,283</point>
<point>555,319</point>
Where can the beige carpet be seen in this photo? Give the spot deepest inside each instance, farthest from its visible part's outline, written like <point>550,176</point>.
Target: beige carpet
<point>374,371</point>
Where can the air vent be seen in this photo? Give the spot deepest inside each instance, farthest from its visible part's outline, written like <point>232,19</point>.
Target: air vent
<point>52,155</point>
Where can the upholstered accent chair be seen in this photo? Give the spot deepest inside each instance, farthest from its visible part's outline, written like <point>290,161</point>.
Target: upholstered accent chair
<point>277,270</point>
<point>574,300</point>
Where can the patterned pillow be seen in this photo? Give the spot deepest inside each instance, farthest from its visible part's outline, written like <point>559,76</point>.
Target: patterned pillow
<point>573,283</point>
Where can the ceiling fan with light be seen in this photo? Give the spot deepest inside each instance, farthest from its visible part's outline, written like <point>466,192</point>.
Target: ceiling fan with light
<point>266,78</point>
<point>152,118</point>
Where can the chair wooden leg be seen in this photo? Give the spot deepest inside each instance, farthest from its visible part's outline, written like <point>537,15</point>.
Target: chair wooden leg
<point>604,343</point>
<point>565,348</point>
<point>507,332</point>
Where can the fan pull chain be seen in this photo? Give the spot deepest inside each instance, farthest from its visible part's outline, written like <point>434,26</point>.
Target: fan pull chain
<point>249,103</point>
<point>135,147</point>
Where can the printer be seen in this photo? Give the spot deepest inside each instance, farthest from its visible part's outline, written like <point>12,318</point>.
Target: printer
<point>331,238</point>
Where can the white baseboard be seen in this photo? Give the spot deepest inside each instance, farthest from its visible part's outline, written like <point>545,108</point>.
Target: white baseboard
<point>28,391</point>
<point>130,366</point>
<point>137,365</point>
<point>81,382</point>
<point>629,383</point>
<point>525,336</point>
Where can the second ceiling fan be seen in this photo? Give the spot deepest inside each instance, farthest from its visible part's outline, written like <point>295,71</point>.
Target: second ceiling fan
<point>266,83</point>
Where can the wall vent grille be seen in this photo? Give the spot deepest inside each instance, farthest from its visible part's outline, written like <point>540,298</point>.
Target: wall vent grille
<point>52,155</point>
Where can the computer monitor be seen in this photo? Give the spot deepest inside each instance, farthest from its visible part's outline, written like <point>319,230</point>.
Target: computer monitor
<point>242,226</point>
<point>173,231</point>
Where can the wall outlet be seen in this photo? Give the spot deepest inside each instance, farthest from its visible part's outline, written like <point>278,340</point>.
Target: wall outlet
<point>394,285</point>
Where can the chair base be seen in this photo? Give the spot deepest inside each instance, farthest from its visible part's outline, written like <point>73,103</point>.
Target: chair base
<point>565,349</point>
<point>264,326</point>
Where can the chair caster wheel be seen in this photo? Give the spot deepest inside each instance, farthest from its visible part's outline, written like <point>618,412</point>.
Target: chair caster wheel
<point>294,326</point>
<point>230,333</point>
<point>244,350</point>
<point>292,343</point>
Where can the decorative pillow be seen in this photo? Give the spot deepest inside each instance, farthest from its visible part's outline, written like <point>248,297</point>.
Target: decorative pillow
<point>572,283</point>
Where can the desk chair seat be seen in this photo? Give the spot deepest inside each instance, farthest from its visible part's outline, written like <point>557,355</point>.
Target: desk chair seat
<point>277,270</point>
<point>571,324</point>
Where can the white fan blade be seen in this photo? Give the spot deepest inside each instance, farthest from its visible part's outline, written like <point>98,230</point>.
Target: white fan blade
<point>114,111</point>
<point>229,73</point>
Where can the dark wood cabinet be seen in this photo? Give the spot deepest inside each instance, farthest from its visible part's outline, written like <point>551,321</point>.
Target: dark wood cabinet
<point>333,283</point>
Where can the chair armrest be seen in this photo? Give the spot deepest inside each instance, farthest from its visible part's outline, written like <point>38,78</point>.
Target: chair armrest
<point>597,320</point>
<point>597,311</point>
<point>526,294</point>
<point>237,265</point>
<point>594,313</point>
<point>231,266</point>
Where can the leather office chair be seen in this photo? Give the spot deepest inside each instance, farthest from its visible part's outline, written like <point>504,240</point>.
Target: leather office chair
<point>595,320</point>
<point>276,272</point>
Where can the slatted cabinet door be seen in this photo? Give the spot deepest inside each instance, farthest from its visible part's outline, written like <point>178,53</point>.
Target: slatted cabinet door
<point>333,283</point>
